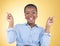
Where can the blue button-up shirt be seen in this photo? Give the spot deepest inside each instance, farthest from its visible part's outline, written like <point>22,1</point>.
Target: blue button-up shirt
<point>23,34</point>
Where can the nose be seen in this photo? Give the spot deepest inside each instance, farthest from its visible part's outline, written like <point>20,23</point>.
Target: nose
<point>31,15</point>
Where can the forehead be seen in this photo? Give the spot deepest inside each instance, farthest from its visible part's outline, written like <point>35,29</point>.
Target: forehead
<point>31,8</point>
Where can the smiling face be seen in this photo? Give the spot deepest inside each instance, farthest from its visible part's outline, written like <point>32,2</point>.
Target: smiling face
<point>30,14</point>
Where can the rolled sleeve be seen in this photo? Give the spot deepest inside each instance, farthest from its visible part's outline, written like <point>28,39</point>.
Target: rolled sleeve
<point>11,35</point>
<point>48,34</point>
<point>45,38</point>
<point>45,41</point>
<point>9,29</point>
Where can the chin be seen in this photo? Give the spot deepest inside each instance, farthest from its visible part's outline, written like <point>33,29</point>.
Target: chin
<point>31,22</point>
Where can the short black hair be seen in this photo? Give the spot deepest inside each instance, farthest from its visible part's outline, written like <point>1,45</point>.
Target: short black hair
<point>30,5</point>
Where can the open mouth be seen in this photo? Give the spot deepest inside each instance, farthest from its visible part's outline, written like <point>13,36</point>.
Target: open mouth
<point>31,19</point>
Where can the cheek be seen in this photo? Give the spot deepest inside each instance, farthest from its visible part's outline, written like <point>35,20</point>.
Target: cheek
<point>26,16</point>
<point>35,16</point>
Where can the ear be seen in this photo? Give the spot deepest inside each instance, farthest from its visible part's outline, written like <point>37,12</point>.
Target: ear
<point>25,16</point>
<point>36,17</point>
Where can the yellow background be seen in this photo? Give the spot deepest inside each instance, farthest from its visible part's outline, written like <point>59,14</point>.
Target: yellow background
<point>46,8</point>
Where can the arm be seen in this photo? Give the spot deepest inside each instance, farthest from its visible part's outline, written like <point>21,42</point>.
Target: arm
<point>11,34</point>
<point>45,40</point>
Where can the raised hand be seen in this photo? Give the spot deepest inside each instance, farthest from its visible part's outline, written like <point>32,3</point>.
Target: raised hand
<point>49,24</point>
<point>10,19</point>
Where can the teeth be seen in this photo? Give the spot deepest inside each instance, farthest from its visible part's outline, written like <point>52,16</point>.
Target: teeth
<point>9,20</point>
<point>31,18</point>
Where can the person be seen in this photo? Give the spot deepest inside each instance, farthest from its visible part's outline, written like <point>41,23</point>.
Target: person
<point>29,34</point>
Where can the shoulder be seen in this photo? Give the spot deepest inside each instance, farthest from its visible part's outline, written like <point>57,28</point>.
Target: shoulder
<point>19,25</point>
<point>41,28</point>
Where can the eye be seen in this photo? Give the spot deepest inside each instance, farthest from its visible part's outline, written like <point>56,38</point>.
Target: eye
<point>27,13</point>
<point>33,12</point>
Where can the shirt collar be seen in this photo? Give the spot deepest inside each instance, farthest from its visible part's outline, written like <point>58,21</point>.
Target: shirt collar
<point>34,25</point>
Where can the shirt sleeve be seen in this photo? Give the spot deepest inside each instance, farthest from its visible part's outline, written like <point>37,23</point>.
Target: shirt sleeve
<point>45,38</point>
<point>11,35</point>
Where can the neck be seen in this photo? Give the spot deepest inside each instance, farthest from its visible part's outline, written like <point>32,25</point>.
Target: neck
<point>31,24</point>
